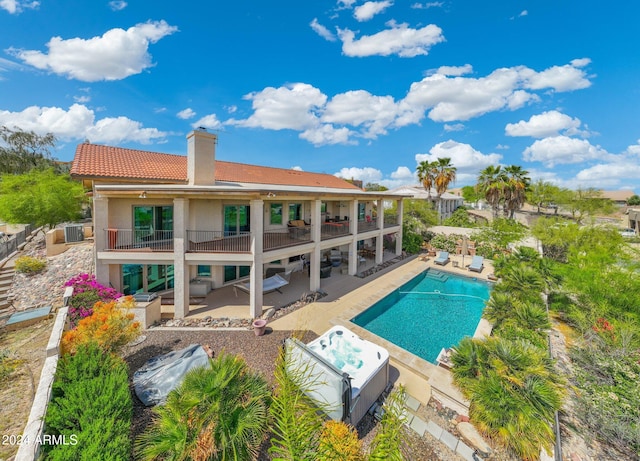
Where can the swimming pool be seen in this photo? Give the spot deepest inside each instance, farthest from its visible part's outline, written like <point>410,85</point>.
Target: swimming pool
<point>432,311</point>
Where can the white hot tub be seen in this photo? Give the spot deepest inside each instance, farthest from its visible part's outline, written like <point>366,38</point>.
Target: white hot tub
<point>357,364</point>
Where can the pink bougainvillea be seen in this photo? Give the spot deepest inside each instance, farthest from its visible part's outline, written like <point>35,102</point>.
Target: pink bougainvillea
<point>86,292</point>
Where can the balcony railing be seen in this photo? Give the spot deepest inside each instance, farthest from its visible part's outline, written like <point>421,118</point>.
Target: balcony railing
<point>139,240</point>
<point>331,230</point>
<point>390,221</point>
<point>218,242</point>
<point>291,237</point>
<point>367,225</point>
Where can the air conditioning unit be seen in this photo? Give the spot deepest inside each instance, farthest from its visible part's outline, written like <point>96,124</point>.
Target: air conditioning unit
<point>74,233</point>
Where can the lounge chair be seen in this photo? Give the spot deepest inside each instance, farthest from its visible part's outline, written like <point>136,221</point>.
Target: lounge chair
<point>273,283</point>
<point>477,263</point>
<point>442,259</point>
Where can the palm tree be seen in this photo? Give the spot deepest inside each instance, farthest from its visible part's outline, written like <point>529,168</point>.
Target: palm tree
<point>491,183</point>
<point>445,173</point>
<point>218,412</point>
<point>516,188</point>
<point>426,176</point>
<point>513,391</point>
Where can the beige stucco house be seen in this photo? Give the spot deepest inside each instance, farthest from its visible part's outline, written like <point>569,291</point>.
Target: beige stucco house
<point>193,224</point>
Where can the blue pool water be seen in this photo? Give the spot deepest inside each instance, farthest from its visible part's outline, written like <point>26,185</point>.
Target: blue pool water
<point>434,310</point>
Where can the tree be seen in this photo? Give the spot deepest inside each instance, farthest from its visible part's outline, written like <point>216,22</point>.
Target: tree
<point>41,198</point>
<point>542,193</point>
<point>587,202</point>
<point>445,173</point>
<point>372,186</point>
<point>471,195</point>
<point>491,183</point>
<point>426,176</point>
<point>634,200</point>
<point>25,150</point>
<point>515,190</point>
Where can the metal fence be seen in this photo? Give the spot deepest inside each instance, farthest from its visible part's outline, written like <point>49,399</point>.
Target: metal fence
<point>10,244</point>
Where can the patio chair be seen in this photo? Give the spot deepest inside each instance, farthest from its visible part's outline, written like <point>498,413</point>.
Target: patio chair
<point>442,259</point>
<point>477,263</point>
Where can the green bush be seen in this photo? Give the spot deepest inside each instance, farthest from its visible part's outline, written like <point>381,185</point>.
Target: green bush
<point>8,365</point>
<point>91,408</point>
<point>29,265</point>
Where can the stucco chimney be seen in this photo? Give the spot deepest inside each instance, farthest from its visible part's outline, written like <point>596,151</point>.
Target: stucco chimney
<point>201,157</point>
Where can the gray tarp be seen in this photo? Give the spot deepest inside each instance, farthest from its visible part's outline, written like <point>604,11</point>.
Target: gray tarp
<point>160,375</point>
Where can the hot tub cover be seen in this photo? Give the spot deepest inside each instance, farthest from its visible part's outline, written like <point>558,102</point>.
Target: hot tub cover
<point>160,375</point>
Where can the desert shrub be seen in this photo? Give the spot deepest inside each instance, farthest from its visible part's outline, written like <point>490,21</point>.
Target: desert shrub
<point>339,441</point>
<point>29,265</point>
<point>87,291</point>
<point>110,326</point>
<point>8,365</point>
<point>91,407</point>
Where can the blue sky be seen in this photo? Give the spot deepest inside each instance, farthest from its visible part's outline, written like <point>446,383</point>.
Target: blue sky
<point>359,89</point>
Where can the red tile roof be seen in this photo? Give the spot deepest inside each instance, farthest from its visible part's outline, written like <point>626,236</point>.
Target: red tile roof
<point>93,161</point>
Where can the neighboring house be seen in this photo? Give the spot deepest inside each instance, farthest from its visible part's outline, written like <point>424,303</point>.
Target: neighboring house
<point>450,202</point>
<point>169,222</point>
<point>619,197</point>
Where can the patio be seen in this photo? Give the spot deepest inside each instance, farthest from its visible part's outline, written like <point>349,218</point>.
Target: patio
<point>227,302</point>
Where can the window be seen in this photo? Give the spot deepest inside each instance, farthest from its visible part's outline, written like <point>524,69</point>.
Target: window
<point>204,271</point>
<point>361,210</point>
<point>276,213</point>
<point>295,211</point>
<point>235,272</point>
<point>236,219</point>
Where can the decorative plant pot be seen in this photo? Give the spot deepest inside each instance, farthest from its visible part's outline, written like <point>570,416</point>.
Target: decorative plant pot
<point>259,326</point>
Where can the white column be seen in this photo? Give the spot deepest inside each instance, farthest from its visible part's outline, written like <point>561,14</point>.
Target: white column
<point>314,262</point>
<point>100,226</point>
<point>180,267</point>
<point>400,208</point>
<point>255,277</point>
<point>353,246</point>
<point>379,241</point>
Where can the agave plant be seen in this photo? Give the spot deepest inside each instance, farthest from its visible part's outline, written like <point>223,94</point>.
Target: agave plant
<point>219,412</point>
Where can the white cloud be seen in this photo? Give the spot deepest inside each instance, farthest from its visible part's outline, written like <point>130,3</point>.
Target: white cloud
<point>358,113</point>
<point>360,107</point>
<point>634,149</point>
<point>346,3</point>
<point>464,157</point>
<point>297,168</point>
<point>186,114</point>
<point>546,124</point>
<point>455,70</point>
<point>117,5</point>
<point>558,150</point>
<point>327,134</point>
<point>82,99</point>
<point>17,6</point>
<point>322,31</point>
<point>454,127</point>
<point>208,121</point>
<point>366,175</point>
<point>78,122</point>
<point>288,107</point>
<point>461,98</point>
<point>425,6</point>
<point>560,78</point>
<point>368,10</point>
<point>524,13</point>
<point>399,40</point>
<point>115,55</point>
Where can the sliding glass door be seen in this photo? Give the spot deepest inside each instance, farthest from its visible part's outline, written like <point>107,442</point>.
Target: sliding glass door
<point>236,219</point>
<point>153,222</point>
<point>139,278</point>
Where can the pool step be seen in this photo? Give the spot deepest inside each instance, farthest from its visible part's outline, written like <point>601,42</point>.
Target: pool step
<point>439,276</point>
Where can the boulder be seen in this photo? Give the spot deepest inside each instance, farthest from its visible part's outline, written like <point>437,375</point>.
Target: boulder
<point>471,437</point>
